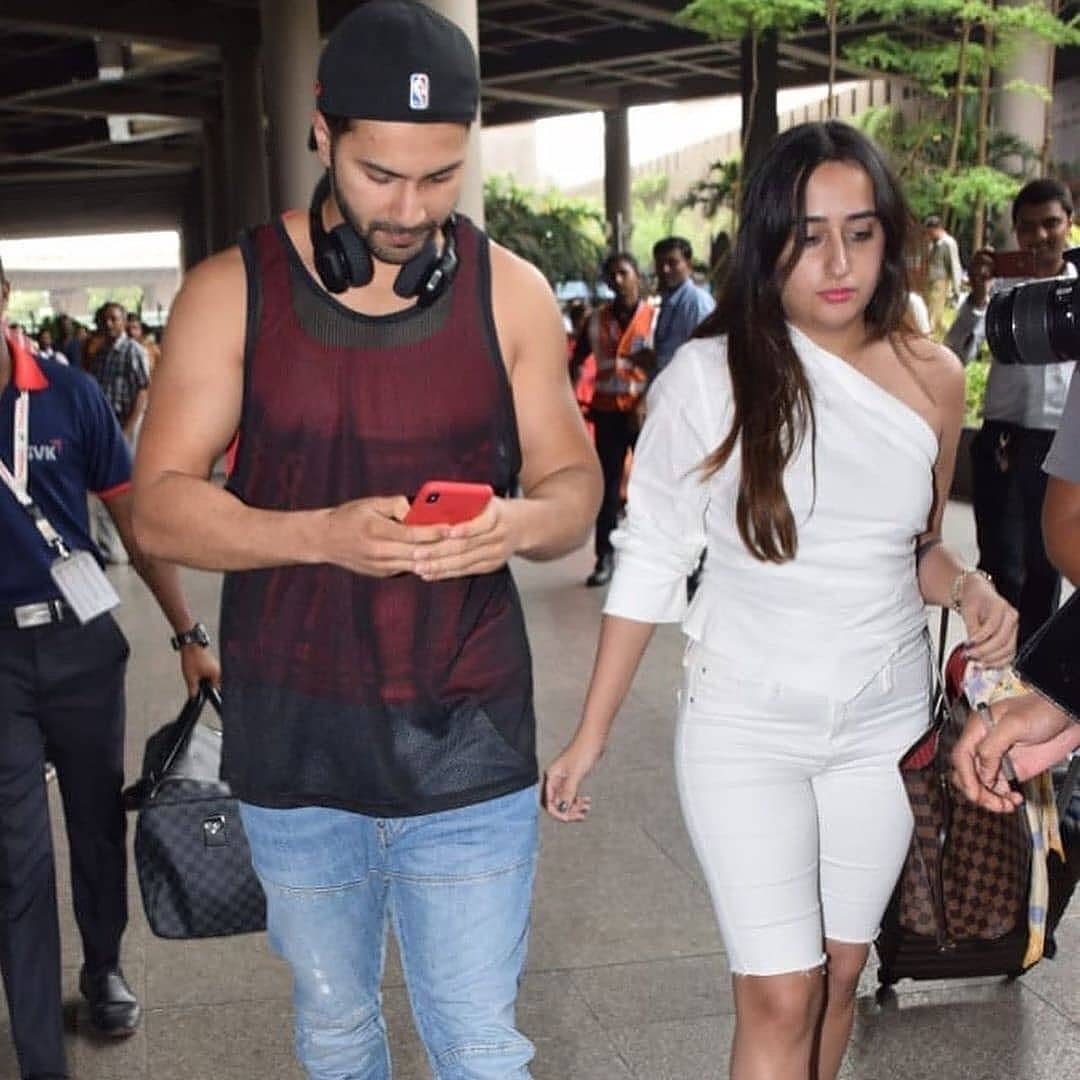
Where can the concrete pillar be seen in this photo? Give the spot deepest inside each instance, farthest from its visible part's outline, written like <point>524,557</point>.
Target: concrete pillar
<point>193,247</point>
<point>215,189</point>
<point>1020,112</point>
<point>290,57</point>
<point>244,131</point>
<point>471,202</point>
<point>617,204</point>
<point>759,129</point>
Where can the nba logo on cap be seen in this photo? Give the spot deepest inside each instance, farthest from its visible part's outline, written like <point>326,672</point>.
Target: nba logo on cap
<point>419,90</point>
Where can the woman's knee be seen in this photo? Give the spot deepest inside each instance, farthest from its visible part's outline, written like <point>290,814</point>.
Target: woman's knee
<point>844,966</point>
<point>788,1003</point>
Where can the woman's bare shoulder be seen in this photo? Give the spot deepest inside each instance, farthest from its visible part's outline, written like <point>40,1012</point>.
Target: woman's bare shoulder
<point>935,363</point>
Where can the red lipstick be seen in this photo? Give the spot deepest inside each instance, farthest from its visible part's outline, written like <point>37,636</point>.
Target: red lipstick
<point>836,296</point>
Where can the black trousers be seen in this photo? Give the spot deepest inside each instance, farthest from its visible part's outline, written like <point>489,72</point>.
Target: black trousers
<point>616,432</point>
<point>61,700</point>
<point>1008,488</point>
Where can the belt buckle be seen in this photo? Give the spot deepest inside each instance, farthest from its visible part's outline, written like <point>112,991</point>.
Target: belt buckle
<point>31,615</point>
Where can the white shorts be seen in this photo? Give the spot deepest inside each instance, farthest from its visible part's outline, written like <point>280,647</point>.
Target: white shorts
<point>795,806</point>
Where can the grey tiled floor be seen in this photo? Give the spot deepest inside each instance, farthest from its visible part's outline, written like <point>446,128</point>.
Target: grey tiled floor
<point>626,979</point>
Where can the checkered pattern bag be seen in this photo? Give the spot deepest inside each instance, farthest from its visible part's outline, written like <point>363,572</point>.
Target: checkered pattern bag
<point>191,853</point>
<point>967,873</point>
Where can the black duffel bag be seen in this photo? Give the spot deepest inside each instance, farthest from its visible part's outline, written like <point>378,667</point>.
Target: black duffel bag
<point>191,852</point>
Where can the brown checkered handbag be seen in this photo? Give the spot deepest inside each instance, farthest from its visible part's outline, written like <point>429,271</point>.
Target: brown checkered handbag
<point>967,873</point>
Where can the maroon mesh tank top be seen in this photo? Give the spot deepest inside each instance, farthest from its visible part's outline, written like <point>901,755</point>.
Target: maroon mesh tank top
<point>389,696</point>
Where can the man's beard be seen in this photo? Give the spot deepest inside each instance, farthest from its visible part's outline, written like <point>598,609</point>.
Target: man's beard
<point>387,253</point>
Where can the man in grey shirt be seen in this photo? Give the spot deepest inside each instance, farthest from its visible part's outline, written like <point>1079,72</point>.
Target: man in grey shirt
<point>1021,413</point>
<point>1061,511</point>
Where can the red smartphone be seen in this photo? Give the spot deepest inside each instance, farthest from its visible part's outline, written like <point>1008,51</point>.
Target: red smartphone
<point>448,502</point>
<point>1008,264</point>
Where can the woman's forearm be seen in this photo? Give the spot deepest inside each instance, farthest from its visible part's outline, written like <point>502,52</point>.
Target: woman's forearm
<point>622,644</point>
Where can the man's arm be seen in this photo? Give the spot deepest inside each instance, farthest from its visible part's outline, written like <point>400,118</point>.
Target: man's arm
<point>163,580</point>
<point>967,332</point>
<point>955,270</point>
<point>180,514</point>
<point>137,410</point>
<point>140,376</point>
<point>560,473</point>
<point>1061,526</point>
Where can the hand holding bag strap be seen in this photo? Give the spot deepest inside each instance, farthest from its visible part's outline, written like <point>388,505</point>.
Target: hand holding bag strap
<point>186,722</point>
<point>178,733</point>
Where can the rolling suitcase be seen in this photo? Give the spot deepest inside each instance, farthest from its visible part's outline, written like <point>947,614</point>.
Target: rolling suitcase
<point>960,907</point>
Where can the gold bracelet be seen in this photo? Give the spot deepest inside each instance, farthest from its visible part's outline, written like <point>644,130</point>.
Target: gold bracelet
<point>957,589</point>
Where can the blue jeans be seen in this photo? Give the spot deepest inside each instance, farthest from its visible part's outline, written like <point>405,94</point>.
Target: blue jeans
<point>457,886</point>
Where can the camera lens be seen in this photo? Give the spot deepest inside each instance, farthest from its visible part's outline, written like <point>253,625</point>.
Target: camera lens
<point>1035,323</point>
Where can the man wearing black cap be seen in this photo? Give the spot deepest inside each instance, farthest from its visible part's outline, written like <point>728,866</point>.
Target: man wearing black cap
<point>379,725</point>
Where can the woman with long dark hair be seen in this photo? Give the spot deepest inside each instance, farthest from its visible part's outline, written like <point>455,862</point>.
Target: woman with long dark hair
<point>807,438</point>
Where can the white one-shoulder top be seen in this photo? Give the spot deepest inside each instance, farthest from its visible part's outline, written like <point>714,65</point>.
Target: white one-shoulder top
<point>827,620</point>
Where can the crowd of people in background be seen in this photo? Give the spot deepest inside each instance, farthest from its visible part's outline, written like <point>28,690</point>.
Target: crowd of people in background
<point>68,341</point>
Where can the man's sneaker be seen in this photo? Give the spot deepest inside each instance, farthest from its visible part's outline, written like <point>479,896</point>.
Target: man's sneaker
<point>113,1008</point>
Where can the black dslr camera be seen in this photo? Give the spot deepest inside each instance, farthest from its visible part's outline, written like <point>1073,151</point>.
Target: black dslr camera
<point>1037,322</point>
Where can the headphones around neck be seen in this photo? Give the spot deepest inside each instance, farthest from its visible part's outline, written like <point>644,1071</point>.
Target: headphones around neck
<point>343,259</point>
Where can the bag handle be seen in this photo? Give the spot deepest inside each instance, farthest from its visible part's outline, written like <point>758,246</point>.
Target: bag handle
<point>134,796</point>
<point>188,718</point>
<point>943,633</point>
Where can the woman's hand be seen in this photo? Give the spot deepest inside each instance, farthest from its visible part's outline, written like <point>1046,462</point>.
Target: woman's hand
<point>990,621</point>
<point>563,778</point>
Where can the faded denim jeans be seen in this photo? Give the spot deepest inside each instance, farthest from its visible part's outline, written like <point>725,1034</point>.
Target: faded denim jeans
<point>457,887</point>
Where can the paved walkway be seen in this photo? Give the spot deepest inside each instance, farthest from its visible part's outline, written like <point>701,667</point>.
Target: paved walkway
<point>626,976</point>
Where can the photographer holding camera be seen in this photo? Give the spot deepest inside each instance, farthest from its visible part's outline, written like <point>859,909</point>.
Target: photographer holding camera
<point>1033,358</point>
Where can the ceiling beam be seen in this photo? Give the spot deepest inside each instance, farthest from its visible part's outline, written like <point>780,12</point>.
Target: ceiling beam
<point>565,102</point>
<point>110,99</point>
<point>75,60</point>
<point>166,22</point>
<point>551,63</point>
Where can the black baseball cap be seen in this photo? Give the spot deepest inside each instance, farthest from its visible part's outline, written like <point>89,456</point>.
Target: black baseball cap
<point>398,60</point>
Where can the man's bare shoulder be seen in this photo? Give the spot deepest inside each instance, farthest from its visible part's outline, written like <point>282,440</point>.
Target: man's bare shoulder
<point>527,319</point>
<point>221,271</point>
<point>510,271</point>
<point>207,320</point>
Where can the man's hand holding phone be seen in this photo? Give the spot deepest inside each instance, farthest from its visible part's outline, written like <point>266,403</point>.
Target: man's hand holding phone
<point>480,540</point>
<point>370,536</point>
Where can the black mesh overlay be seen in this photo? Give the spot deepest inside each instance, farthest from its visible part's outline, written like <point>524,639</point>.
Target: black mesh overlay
<point>386,696</point>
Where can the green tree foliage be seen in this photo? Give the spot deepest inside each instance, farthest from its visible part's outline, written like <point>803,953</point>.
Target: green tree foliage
<point>26,307</point>
<point>734,20</point>
<point>563,237</point>
<point>949,159</point>
<point>656,215</point>
<point>128,295</point>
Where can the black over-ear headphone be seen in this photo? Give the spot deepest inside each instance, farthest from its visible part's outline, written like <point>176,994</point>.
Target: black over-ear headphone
<point>342,258</point>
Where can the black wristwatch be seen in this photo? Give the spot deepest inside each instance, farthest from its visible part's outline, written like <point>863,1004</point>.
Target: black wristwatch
<point>197,635</point>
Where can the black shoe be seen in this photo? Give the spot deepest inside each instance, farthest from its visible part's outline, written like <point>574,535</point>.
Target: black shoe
<point>601,574</point>
<point>113,1008</point>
